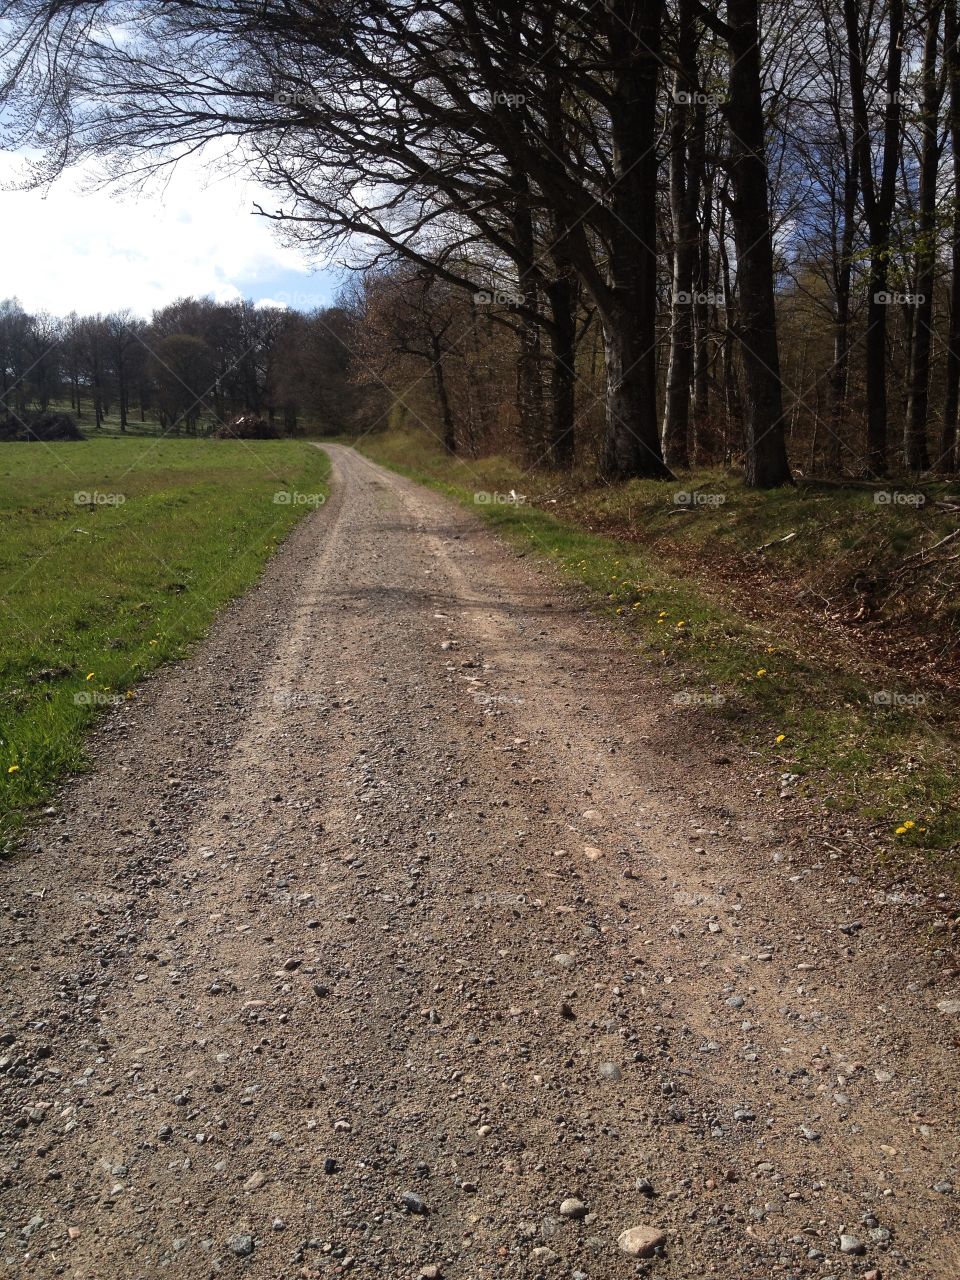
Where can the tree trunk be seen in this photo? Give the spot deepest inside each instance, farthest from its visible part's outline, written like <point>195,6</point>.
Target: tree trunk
<point>951,403</point>
<point>443,398</point>
<point>701,325</point>
<point>916,453</point>
<point>766,454</point>
<point>632,441</point>
<point>686,161</point>
<point>840,371</point>
<point>878,211</point>
<point>629,451</point>
<point>562,293</point>
<point>122,392</point>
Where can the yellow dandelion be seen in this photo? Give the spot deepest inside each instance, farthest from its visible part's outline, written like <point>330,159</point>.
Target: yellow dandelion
<point>908,825</point>
<point>90,675</point>
<point>14,768</point>
<point>780,737</point>
<point>681,623</point>
<point>762,671</point>
<point>900,831</point>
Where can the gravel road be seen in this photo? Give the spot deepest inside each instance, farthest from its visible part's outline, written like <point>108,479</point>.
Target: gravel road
<point>410,930</point>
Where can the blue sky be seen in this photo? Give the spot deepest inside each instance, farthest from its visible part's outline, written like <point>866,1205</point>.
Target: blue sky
<point>76,248</point>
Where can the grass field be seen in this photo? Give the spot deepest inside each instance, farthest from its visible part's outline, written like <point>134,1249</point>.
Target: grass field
<point>115,555</point>
<point>766,642</point>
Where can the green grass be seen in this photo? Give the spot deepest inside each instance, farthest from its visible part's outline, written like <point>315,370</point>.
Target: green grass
<point>94,594</point>
<point>686,586</point>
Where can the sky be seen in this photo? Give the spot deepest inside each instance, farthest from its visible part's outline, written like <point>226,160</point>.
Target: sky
<point>70,249</point>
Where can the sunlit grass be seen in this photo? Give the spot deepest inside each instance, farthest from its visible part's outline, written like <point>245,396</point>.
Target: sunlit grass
<point>894,764</point>
<point>95,593</point>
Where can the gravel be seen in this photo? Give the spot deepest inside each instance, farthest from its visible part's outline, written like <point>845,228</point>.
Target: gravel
<point>355,999</point>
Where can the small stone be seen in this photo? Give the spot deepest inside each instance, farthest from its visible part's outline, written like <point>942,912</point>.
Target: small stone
<point>610,1071</point>
<point>241,1245</point>
<point>851,1245</point>
<point>943,1188</point>
<point>329,1165</point>
<point>645,1188</point>
<point>254,1181</point>
<point>573,1208</point>
<point>73,1233</point>
<point>319,990</point>
<point>736,1002</point>
<point>565,960</point>
<point>293,963</point>
<point>544,1255</point>
<point>641,1242</point>
<point>811,1135</point>
<point>412,1203</point>
<point>485,1130</point>
<point>949,1006</point>
<point>430,1272</point>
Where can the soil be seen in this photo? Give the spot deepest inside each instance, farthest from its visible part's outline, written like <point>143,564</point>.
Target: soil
<point>409,929</point>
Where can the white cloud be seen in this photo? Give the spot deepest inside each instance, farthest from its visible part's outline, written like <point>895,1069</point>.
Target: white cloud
<point>75,250</point>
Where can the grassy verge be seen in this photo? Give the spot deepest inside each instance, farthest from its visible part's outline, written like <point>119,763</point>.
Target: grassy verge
<point>115,556</point>
<point>742,635</point>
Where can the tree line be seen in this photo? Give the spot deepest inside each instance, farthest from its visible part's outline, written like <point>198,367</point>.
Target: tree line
<point>737,222</point>
<point>194,366</point>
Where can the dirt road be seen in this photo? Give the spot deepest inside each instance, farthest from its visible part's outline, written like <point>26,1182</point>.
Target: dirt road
<point>410,930</point>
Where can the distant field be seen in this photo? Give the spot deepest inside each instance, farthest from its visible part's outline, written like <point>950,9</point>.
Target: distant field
<point>115,555</point>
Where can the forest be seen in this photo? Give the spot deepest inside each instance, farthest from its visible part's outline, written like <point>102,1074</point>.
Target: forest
<point>648,235</point>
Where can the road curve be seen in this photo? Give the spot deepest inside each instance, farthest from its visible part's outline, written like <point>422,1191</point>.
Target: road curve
<point>409,929</point>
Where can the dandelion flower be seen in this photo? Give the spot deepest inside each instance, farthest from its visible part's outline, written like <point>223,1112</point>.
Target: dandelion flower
<point>780,737</point>
<point>908,825</point>
<point>90,675</point>
<point>762,671</point>
<point>14,768</point>
<point>901,831</point>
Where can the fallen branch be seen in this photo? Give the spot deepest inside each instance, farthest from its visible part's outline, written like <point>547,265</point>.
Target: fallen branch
<point>787,537</point>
